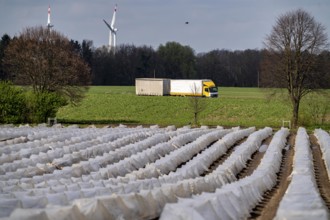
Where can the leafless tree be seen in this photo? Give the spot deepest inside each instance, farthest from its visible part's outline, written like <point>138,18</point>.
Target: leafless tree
<point>197,104</point>
<point>291,57</point>
<point>45,60</point>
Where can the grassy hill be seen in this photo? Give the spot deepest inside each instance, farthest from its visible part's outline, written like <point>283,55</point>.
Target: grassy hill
<point>233,107</point>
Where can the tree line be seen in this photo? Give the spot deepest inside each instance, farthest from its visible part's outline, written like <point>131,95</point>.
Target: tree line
<point>175,61</point>
<point>239,68</point>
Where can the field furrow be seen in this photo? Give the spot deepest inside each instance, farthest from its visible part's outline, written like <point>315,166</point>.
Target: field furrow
<point>266,208</point>
<point>320,171</point>
<point>153,172</point>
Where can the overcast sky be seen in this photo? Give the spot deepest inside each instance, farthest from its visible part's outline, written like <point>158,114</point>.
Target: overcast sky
<point>213,24</point>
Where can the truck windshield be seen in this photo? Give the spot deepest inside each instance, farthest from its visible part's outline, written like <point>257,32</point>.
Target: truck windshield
<point>213,89</point>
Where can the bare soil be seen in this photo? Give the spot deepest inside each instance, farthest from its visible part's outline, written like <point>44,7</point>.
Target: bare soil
<point>267,208</point>
<point>254,162</point>
<point>221,159</point>
<point>320,170</point>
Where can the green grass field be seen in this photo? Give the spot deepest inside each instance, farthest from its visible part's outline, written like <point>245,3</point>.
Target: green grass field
<point>234,107</point>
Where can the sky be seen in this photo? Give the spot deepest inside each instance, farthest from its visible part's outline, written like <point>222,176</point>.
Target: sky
<point>213,24</point>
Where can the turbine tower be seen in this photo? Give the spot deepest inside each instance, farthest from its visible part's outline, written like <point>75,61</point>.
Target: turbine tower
<point>112,32</point>
<point>49,25</point>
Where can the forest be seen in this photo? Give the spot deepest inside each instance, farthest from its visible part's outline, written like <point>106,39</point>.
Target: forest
<point>239,68</point>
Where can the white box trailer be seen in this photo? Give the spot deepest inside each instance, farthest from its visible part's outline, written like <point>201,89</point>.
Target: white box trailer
<point>186,87</point>
<point>152,86</point>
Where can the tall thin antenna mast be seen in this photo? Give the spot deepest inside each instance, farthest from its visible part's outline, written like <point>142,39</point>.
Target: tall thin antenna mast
<point>49,25</point>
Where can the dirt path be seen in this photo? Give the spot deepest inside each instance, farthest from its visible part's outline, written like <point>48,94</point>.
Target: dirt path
<point>266,209</point>
<point>254,162</point>
<point>320,170</point>
<point>221,159</point>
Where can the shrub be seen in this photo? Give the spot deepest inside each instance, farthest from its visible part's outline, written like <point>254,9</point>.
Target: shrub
<point>12,104</point>
<point>44,105</point>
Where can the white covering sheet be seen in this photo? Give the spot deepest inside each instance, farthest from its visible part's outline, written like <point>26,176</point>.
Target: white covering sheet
<point>324,141</point>
<point>103,173</point>
<point>302,199</point>
<point>234,200</point>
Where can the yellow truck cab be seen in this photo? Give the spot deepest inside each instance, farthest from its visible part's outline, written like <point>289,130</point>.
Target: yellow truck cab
<point>209,89</point>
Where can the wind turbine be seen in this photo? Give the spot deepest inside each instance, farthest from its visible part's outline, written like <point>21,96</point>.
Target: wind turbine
<point>49,25</point>
<point>113,31</point>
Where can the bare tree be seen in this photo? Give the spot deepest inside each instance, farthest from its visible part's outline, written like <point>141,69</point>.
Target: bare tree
<point>45,60</point>
<point>197,104</point>
<point>292,49</point>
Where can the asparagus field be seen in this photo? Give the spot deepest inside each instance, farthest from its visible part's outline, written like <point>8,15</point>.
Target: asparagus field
<point>150,172</point>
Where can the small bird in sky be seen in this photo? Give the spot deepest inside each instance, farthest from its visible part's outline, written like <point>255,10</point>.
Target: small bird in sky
<point>187,22</point>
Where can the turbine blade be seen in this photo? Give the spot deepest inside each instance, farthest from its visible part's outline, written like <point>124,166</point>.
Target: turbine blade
<point>106,23</point>
<point>113,17</point>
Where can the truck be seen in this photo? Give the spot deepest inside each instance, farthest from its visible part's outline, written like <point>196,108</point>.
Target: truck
<point>176,87</point>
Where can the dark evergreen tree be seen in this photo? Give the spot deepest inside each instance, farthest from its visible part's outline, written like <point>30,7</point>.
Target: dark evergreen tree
<point>5,40</point>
